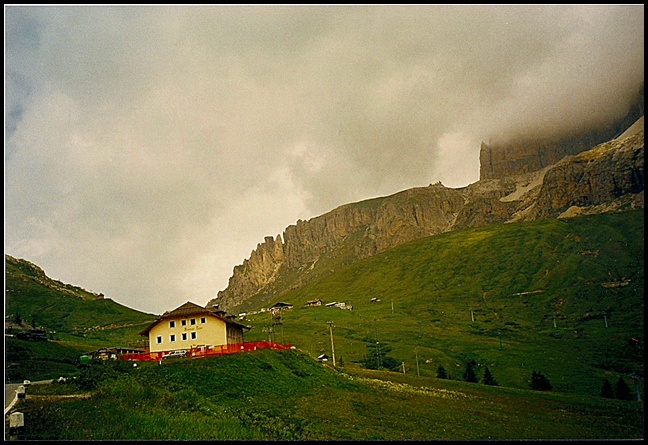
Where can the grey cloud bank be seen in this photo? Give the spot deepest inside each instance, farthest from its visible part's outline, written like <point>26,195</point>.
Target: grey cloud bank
<point>149,149</point>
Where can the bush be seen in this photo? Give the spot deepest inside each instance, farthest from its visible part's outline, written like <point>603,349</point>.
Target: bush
<point>539,382</point>
<point>92,375</point>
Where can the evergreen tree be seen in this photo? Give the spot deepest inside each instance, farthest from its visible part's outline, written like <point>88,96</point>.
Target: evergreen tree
<point>488,378</point>
<point>442,373</point>
<point>539,382</point>
<point>377,357</point>
<point>606,390</point>
<point>469,373</point>
<point>622,390</point>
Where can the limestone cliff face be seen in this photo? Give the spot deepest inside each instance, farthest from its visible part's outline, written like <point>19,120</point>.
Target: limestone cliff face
<point>499,161</point>
<point>606,178</point>
<point>307,240</point>
<point>258,270</point>
<point>363,229</point>
<point>603,175</point>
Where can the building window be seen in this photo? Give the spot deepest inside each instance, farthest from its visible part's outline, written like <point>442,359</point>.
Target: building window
<point>172,337</point>
<point>193,321</point>
<point>193,336</point>
<point>158,339</point>
<point>172,324</point>
<point>184,336</point>
<point>184,322</point>
<point>203,320</point>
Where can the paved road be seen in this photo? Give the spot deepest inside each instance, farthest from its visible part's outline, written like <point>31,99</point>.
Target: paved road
<point>10,392</point>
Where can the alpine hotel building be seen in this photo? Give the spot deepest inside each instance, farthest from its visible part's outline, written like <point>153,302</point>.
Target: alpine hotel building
<point>190,327</point>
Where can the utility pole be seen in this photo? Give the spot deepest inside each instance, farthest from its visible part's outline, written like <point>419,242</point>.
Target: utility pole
<point>330,323</point>
<point>605,317</point>
<point>472,316</point>
<point>554,320</point>
<point>378,345</point>
<point>403,367</point>
<point>392,302</point>
<point>418,373</point>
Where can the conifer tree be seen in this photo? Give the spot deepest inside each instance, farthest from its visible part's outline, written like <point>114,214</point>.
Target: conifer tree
<point>469,373</point>
<point>539,382</point>
<point>488,378</point>
<point>606,390</point>
<point>442,373</point>
<point>622,390</point>
<point>378,358</point>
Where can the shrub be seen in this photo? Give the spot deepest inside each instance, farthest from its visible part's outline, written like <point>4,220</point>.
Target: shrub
<point>92,375</point>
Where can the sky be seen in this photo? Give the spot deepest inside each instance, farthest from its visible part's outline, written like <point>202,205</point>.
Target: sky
<point>150,149</point>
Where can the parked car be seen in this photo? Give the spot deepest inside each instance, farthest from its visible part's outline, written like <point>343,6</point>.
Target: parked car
<point>180,353</point>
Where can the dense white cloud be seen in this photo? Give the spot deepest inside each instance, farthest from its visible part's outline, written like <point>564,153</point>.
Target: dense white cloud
<point>149,149</point>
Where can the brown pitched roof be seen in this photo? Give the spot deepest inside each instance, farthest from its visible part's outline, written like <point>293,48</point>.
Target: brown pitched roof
<point>188,309</point>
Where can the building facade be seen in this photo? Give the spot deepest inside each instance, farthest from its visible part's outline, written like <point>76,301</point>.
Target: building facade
<point>191,326</point>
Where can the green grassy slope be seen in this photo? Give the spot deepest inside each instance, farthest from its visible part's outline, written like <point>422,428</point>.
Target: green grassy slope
<point>80,321</point>
<point>285,395</point>
<point>41,301</point>
<point>515,280</point>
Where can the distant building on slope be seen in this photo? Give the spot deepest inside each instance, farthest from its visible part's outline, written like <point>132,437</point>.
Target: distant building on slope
<point>280,306</point>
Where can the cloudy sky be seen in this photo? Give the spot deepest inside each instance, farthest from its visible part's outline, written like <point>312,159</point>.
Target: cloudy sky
<point>149,149</point>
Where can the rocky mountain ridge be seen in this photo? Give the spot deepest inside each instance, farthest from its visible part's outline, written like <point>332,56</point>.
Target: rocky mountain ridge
<point>520,156</point>
<point>609,177</point>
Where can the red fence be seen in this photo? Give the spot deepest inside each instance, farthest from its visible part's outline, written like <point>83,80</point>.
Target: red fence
<point>208,351</point>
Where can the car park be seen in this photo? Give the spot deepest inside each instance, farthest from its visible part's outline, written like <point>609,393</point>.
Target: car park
<point>180,353</point>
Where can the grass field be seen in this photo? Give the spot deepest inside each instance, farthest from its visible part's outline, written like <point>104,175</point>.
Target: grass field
<point>285,395</point>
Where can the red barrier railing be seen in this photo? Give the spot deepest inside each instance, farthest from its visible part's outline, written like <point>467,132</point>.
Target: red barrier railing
<point>208,351</point>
